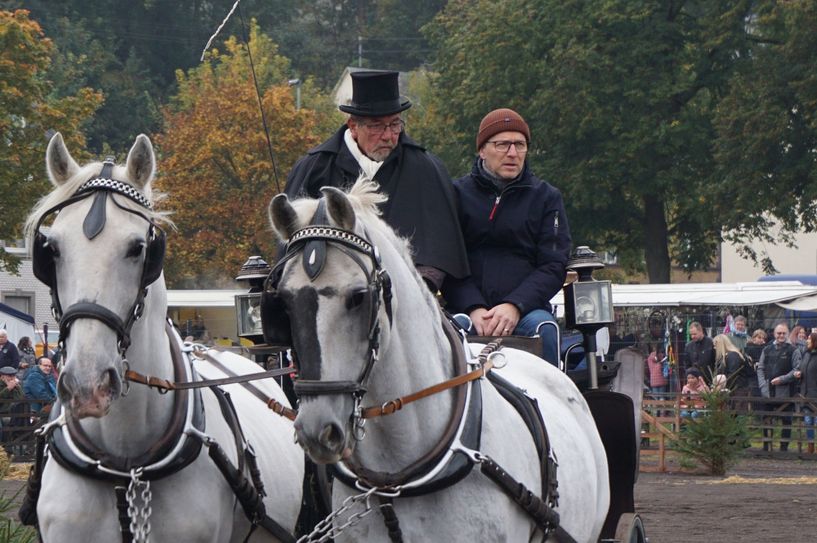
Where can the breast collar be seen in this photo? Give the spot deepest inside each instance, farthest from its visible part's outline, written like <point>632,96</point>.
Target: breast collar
<point>72,448</point>
<point>446,464</point>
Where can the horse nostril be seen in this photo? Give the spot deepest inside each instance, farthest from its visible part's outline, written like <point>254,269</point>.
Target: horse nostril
<point>111,380</point>
<point>66,386</point>
<point>331,436</point>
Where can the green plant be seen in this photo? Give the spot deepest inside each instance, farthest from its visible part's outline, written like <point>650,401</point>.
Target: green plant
<point>12,531</point>
<point>717,437</point>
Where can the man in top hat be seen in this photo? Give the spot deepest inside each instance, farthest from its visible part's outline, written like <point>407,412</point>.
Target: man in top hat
<point>516,235</point>
<point>373,143</point>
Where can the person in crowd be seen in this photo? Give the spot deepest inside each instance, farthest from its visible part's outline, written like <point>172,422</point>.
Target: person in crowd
<point>700,352</point>
<point>691,402</point>
<point>754,348</point>
<point>373,143</point>
<point>805,373</point>
<point>797,337</point>
<point>659,383</point>
<point>516,235</point>
<point>730,362</point>
<point>739,335</point>
<point>9,355</point>
<point>10,395</point>
<point>776,361</point>
<point>27,356</point>
<point>41,385</point>
<point>26,350</point>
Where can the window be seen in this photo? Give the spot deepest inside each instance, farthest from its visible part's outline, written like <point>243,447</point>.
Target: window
<point>23,303</point>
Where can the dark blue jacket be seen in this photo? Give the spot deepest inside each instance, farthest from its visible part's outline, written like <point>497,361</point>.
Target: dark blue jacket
<point>39,386</point>
<point>518,243</point>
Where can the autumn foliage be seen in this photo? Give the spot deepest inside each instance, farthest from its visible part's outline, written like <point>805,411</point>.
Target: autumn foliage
<point>215,165</point>
<point>28,112</point>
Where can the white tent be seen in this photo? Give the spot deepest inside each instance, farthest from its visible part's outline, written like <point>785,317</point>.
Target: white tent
<point>16,323</point>
<point>782,293</point>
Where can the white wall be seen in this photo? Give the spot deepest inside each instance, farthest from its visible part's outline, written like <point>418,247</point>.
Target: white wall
<point>802,260</point>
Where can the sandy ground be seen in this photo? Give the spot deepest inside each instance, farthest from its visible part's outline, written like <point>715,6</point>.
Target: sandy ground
<point>761,499</point>
<point>771,500</point>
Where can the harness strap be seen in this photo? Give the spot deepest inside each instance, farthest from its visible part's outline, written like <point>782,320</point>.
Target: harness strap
<point>122,509</point>
<point>28,508</point>
<point>273,404</point>
<point>390,519</point>
<point>541,513</point>
<point>247,495</point>
<point>396,404</point>
<point>164,385</point>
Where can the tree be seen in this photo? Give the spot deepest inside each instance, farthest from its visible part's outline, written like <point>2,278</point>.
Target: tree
<point>622,97</point>
<point>214,163</point>
<point>27,114</point>
<point>767,127</point>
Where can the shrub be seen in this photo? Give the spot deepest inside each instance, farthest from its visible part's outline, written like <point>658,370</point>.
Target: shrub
<point>717,437</point>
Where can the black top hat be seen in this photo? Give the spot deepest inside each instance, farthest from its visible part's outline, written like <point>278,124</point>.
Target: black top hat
<point>375,94</point>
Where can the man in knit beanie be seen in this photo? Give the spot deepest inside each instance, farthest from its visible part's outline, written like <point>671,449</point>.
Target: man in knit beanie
<point>516,235</point>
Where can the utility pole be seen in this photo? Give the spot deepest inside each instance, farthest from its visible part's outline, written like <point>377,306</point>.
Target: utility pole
<point>359,51</point>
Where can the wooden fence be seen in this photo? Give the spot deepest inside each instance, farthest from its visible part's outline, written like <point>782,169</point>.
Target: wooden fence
<point>17,424</point>
<point>766,417</point>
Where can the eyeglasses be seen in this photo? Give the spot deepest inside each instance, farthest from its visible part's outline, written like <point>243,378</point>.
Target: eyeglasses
<point>504,146</point>
<point>395,127</point>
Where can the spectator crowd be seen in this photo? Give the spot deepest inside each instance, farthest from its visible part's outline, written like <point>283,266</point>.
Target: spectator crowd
<point>28,388</point>
<point>777,366</point>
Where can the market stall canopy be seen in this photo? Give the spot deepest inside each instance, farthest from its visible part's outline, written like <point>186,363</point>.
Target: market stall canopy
<point>698,294</point>
<point>806,303</point>
<point>206,298</point>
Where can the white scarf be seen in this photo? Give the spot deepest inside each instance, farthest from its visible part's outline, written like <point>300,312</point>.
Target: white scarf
<point>368,166</point>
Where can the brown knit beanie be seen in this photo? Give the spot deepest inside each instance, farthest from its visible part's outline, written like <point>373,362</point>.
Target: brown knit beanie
<point>501,120</point>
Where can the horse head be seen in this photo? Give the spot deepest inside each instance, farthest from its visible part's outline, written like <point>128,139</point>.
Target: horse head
<point>102,258</point>
<point>334,288</point>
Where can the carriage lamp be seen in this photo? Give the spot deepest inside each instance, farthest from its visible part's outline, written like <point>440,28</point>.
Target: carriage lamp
<point>588,303</point>
<point>248,306</point>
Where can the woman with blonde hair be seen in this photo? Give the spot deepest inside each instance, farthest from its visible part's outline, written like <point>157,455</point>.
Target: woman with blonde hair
<point>730,361</point>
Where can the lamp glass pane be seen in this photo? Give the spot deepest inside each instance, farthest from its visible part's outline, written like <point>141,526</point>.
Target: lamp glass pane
<point>248,313</point>
<point>593,302</point>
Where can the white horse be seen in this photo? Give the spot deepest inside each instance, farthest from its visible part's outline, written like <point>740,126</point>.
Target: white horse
<point>337,302</point>
<point>102,257</point>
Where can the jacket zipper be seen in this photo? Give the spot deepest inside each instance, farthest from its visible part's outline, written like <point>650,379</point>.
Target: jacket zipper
<point>555,229</point>
<point>493,209</point>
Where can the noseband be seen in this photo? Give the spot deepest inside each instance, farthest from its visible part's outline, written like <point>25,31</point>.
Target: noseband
<point>44,265</point>
<point>311,242</point>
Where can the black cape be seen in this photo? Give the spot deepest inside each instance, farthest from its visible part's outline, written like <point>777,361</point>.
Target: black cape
<point>421,204</point>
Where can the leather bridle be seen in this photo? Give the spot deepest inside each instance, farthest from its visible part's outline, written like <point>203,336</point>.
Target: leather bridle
<point>378,287</point>
<point>310,242</point>
<point>45,269</point>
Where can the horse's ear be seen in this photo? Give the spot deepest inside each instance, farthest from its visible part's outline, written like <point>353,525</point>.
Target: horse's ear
<point>58,161</point>
<point>339,208</point>
<point>141,162</point>
<point>282,217</point>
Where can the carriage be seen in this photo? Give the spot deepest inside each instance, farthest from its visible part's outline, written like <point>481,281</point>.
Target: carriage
<point>495,444</point>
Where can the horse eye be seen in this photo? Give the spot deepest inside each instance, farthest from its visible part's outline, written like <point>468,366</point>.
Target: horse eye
<point>135,249</point>
<point>356,298</point>
<point>52,246</point>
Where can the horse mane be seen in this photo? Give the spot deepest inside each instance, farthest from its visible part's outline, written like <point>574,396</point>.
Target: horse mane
<point>365,196</point>
<point>63,192</point>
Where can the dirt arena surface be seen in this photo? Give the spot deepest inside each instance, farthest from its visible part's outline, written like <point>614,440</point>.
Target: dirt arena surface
<point>761,499</point>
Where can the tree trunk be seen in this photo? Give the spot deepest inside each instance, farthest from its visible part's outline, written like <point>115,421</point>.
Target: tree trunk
<point>656,240</point>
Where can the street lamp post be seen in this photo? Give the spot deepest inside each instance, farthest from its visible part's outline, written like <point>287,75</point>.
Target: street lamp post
<point>588,304</point>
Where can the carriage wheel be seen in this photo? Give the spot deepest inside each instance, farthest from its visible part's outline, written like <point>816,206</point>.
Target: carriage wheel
<point>630,529</point>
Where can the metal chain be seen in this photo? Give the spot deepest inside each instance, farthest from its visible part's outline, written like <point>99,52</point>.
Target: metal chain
<point>324,531</point>
<point>139,516</point>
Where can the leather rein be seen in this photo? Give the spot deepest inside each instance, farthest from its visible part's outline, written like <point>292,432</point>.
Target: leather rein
<point>387,408</point>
